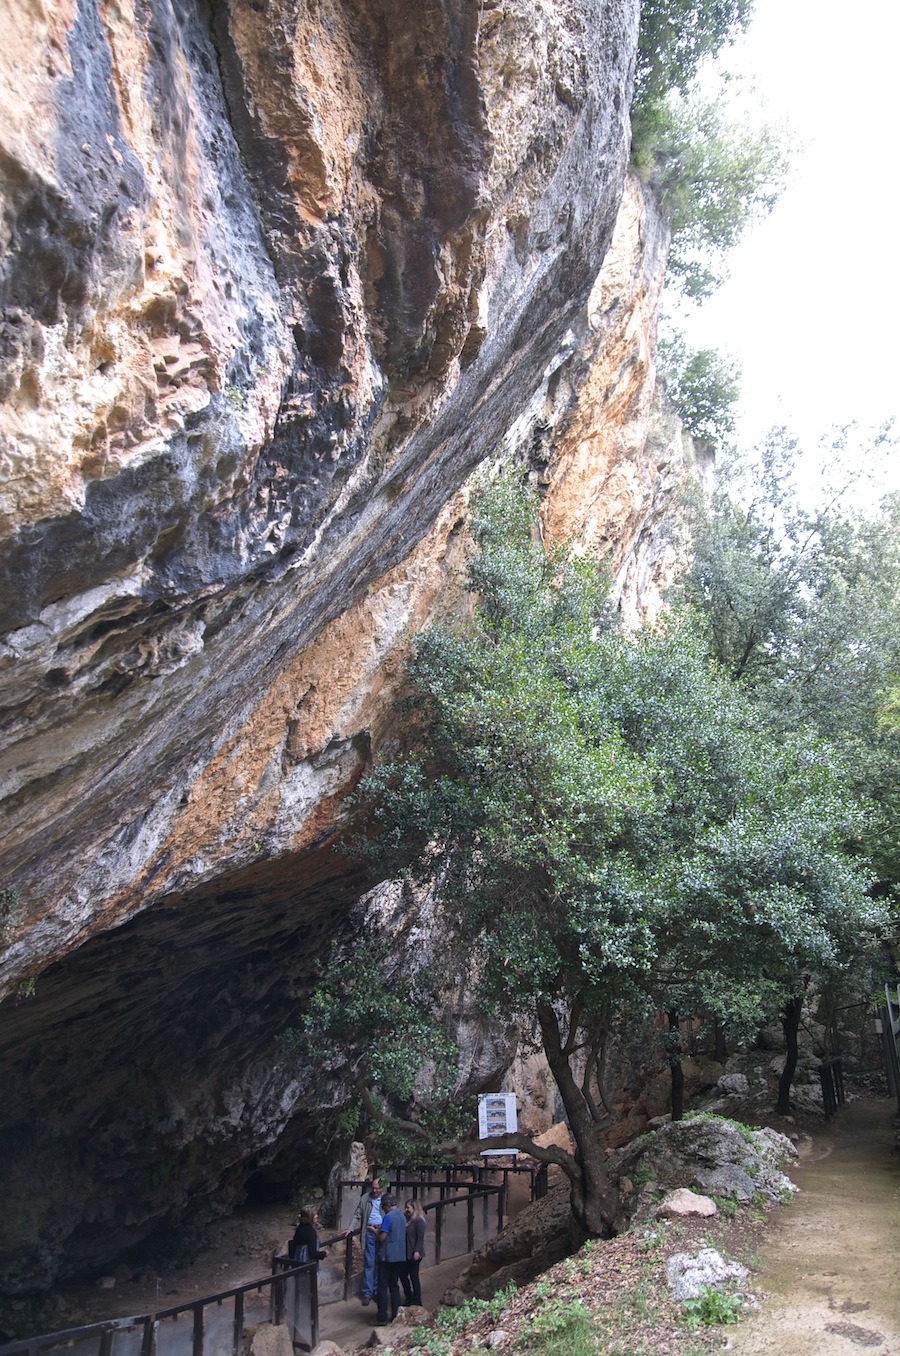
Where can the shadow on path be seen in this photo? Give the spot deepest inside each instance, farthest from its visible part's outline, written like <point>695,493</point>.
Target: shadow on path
<point>831,1261</point>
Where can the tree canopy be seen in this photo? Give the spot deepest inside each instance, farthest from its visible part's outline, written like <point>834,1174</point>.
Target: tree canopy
<point>803,610</point>
<point>703,386</point>
<point>604,821</point>
<point>374,1034</point>
<point>675,36</point>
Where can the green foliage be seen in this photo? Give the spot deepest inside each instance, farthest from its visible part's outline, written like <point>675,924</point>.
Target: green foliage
<point>747,1134</point>
<point>802,607</point>
<point>703,387</point>
<point>710,1308</point>
<point>10,914</point>
<point>378,1035</point>
<point>25,989</point>
<point>450,1323</point>
<point>561,1326</point>
<point>676,36</point>
<point>888,715</point>
<point>716,168</point>
<point>602,816</point>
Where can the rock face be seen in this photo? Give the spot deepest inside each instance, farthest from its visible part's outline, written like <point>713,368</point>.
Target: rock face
<point>721,1157</point>
<point>275,278</point>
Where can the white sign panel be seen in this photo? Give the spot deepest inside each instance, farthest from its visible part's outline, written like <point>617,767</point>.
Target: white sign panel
<point>497,1116</point>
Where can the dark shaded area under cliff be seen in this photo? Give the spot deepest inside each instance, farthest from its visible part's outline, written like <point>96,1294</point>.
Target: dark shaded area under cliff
<point>142,1081</point>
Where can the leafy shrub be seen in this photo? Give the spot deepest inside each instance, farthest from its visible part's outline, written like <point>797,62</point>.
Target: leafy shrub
<point>711,1307</point>
<point>449,1323</point>
<point>563,1328</point>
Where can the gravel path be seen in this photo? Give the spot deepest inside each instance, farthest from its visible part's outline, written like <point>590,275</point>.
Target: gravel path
<point>831,1260</point>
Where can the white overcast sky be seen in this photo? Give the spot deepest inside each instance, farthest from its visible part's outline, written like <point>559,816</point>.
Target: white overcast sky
<point>812,308</point>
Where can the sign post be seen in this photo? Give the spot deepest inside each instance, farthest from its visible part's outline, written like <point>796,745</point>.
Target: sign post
<point>497,1116</point>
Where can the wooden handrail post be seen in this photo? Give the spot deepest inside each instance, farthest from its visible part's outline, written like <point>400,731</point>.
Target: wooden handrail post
<point>314,1307</point>
<point>197,1310</point>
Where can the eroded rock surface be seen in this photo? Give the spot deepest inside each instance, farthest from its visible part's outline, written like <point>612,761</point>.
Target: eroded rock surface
<point>274,280</point>
<point>719,1156</point>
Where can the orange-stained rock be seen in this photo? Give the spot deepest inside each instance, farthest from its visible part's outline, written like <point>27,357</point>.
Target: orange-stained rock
<point>271,290</point>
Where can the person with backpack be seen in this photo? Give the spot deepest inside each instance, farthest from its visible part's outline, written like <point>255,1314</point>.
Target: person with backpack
<point>304,1246</point>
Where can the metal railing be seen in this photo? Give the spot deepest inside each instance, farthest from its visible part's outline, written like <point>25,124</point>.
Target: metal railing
<point>481,1172</point>
<point>417,1182</point>
<point>211,1326</point>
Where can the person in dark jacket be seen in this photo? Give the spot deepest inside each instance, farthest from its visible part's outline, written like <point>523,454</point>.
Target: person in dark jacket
<point>415,1251</point>
<point>305,1236</point>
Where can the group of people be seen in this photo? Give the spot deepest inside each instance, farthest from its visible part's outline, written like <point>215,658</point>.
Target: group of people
<point>392,1241</point>
<point>393,1245</point>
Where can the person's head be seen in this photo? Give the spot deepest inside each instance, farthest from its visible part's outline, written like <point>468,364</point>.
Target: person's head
<point>308,1215</point>
<point>388,1202</point>
<point>412,1210</point>
<point>375,1188</point>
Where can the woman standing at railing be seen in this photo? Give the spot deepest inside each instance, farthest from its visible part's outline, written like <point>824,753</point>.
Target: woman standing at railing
<point>415,1251</point>
<point>304,1246</point>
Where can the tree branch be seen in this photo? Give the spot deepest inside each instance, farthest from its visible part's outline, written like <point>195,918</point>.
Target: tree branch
<point>549,1154</point>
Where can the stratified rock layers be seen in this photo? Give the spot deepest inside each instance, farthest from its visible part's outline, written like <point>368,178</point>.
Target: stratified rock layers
<point>275,278</point>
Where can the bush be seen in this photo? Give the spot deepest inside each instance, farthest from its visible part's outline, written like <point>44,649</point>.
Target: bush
<point>711,1307</point>
<point>714,172</point>
<point>704,388</point>
<point>563,1328</point>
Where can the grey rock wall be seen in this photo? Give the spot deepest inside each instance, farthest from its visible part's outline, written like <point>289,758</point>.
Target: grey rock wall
<point>275,278</point>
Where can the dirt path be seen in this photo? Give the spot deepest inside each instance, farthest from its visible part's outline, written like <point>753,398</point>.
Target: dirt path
<point>831,1260</point>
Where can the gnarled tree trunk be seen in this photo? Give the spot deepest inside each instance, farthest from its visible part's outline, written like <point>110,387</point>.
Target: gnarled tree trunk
<point>595,1199</point>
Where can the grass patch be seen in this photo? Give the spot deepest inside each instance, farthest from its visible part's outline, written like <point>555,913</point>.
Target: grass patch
<point>449,1323</point>
<point>564,1328</point>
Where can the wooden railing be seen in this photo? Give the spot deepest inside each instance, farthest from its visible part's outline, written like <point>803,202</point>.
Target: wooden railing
<point>889,1020</point>
<point>215,1324</point>
<point>196,1328</point>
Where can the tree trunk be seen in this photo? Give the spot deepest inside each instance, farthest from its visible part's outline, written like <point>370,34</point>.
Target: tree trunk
<point>676,1070</point>
<point>790,1023</point>
<point>721,1049</point>
<point>595,1200</point>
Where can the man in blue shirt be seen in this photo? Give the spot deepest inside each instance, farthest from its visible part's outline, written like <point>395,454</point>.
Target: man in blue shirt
<point>392,1252</point>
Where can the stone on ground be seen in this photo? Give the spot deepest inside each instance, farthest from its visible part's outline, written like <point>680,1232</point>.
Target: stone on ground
<point>683,1202</point>
<point>412,1316</point>
<point>690,1274</point>
<point>272,1339</point>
